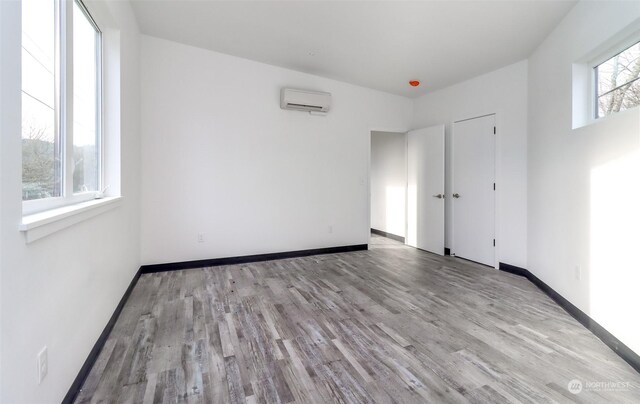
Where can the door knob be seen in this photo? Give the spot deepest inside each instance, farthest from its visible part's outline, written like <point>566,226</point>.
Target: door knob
<point>456,195</point>
<point>439,196</point>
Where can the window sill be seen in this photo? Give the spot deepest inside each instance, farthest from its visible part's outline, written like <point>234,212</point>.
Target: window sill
<point>615,116</point>
<point>42,224</point>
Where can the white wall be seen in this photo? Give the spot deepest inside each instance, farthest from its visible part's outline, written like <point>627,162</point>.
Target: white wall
<point>503,92</point>
<point>61,290</point>
<point>219,157</point>
<point>583,185</point>
<point>388,182</point>
<point>7,52</point>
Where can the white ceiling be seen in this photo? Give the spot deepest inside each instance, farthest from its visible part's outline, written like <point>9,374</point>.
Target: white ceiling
<point>381,45</point>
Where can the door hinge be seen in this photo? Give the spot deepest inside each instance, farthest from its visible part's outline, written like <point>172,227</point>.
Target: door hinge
<point>494,186</point>
<point>494,130</point>
<point>494,242</point>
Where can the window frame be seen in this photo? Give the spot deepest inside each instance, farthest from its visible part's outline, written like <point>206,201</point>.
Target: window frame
<point>63,114</point>
<point>593,66</point>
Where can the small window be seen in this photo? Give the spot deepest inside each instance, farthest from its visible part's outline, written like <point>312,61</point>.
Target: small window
<point>61,104</point>
<point>616,82</point>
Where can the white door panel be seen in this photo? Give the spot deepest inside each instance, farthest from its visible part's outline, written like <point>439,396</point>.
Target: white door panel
<point>473,183</point>
<point>425,180</point>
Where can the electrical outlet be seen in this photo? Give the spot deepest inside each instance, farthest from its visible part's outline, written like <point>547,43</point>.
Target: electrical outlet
<point>200,237</point>
<point>578,272</point>
<point>43,364</point>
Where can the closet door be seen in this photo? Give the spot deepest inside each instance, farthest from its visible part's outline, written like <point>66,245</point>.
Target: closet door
<point>473,189</point>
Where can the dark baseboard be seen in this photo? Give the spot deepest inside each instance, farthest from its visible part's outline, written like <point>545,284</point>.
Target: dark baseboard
<point>146,269</point>
<point>447,251</point>
<point>605,336</point>
<point>388,235</point>
<point>512,269</point>
<point>97,347</point>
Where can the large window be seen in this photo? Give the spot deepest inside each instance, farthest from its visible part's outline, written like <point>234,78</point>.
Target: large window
<point>61,108</point>
<point>617,82</point>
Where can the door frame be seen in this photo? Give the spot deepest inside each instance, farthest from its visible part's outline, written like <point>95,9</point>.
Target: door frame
<point>496,177</point>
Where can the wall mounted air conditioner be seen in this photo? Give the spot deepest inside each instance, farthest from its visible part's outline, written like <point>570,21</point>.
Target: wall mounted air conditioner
<point>304,100</point>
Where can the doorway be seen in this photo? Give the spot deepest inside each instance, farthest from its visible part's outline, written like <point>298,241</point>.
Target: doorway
<point>388,175</point>
<point>407,176</point>
<point>473,189</point>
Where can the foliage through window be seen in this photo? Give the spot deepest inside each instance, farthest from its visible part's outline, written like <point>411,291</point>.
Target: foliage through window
<point>617,82</point>
<point>61,119</point>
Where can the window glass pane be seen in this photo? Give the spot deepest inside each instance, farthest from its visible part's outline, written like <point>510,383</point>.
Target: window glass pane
<point>41,149</point>
<point>86,146</point>
<point>625,97</point>
<point>619,70</point>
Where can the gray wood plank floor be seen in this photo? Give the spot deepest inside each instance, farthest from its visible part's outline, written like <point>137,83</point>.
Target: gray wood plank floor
<point>388,325</point>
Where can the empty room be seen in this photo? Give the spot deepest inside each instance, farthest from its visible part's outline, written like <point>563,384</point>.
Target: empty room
<point>319,201</point>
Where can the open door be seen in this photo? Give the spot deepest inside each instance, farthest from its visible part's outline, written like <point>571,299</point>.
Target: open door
<point>425,189</point>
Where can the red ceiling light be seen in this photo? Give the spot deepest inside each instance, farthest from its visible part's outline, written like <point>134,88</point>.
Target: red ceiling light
<point>414,83</point>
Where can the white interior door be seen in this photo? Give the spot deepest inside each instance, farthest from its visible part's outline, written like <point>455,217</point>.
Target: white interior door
<point>473,189</point>
<point>425,189</point>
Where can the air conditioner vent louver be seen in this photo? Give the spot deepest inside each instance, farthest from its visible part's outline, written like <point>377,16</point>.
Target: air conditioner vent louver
<point>303,106</point>
<point>303,100</point>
